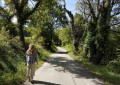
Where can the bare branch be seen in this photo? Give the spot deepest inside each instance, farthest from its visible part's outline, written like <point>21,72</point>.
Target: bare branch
<point>73,32</point>
<point>91,9</point>
<point>1,8</point>
<point>115,24</point>
<point>103,3</point>
<point>98,9</point>
<point>113,2</point>
<point>98,4</point>
<point>33,10</point>
<point>64,4</point>
<point>16,4</point>
<point>115,14</point>
<point>8,17</point>
<point>23,3</point>
<point>69,12</point>
<point>85,3</point>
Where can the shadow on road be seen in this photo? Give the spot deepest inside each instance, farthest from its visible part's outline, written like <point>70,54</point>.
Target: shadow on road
<point>71,66</point>
<point>43,82</point>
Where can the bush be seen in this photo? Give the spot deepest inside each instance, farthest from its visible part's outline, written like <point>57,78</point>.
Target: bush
<point>12,55</point>
<point>65,36</point>
<point>114,66</point>
<point>10,49</point>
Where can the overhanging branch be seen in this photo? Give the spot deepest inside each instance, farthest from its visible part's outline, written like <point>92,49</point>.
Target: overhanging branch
<point>69,12</point>
<point>33,10</point>
<point>9,17</point>
<point>91,9</point>
<point>115,14</point>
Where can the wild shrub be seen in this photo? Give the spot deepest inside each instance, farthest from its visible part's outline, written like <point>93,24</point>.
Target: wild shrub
<point>114,66</point>
<point>10,51</point>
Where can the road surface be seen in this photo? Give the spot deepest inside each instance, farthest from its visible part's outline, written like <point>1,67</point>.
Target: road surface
<point>60,69</point>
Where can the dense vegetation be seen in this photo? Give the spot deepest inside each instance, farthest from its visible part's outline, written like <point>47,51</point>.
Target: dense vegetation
<point>91,36</point>
<point>13,60</point>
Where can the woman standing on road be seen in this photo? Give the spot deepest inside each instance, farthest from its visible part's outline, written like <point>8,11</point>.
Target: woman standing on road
<point>31,58</point>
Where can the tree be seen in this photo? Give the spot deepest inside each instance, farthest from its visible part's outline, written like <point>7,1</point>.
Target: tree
<point>5,20</point>
<point>22,11</point>
<point>48,17</point>
<point>99,25</point>
<point>73,30</point>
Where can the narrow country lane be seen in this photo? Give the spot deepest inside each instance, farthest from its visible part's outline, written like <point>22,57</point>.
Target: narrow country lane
<point>60,69</point>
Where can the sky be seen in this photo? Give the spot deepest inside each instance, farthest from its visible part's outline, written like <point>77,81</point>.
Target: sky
<point>70,5</point>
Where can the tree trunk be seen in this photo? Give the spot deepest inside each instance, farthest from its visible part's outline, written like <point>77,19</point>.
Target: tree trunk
<point>92,52</point>
<point>21,34</point>
<point>73,34</point>
<point>102,35</point>
<point>51,37</point>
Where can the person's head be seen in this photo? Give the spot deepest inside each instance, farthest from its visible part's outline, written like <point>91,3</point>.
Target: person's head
<point>31,49</point>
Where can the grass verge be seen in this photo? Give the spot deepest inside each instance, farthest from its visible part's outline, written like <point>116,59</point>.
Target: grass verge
<point>109,78</point>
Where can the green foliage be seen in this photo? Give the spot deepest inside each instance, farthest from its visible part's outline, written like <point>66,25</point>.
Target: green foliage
<point>85,46</point>
<point>9,47</point>
<point>41,40</point>
<point>69,47</point>
<point>111,48</point>
<point>54,48</point>
<point>42,53</point>
<point>35,33</point>
<point>12,55</point>
<point>65,36</point>
<point>79,24</point>
<point>49,16</point>
<point>114,66</point>
<point>56,39</point>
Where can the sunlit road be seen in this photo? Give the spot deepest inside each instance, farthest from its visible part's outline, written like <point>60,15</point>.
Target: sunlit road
<point>60,69</point>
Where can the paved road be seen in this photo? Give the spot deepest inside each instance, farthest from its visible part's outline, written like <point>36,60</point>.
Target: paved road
<point>60,69</point>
